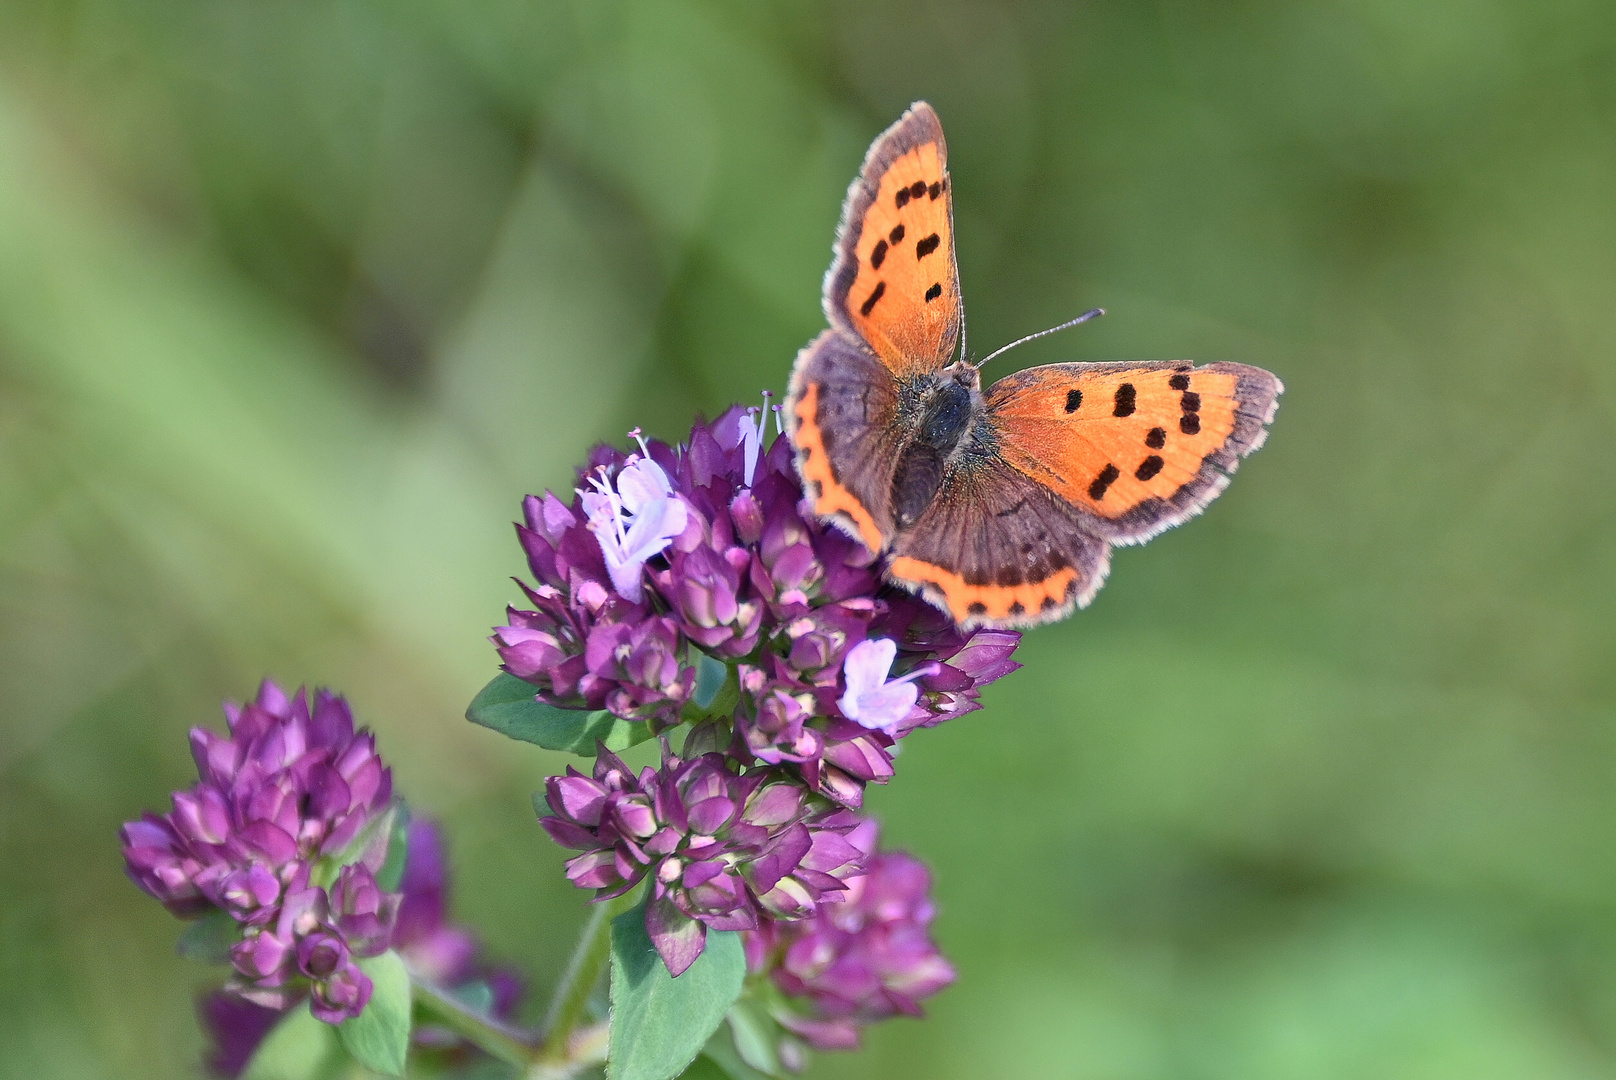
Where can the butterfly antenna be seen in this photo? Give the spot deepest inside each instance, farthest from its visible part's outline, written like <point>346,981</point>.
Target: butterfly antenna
<point>1083,318</point>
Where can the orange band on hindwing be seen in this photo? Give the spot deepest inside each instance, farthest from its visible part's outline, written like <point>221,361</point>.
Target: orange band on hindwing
<point>830,498</point>
<point>967,601</point>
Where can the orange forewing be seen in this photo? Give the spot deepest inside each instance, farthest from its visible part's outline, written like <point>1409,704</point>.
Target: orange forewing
<point>1106,463</point>
<point>904,300</point>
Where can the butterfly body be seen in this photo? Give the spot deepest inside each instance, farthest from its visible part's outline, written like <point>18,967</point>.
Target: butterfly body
<point>998,505</point>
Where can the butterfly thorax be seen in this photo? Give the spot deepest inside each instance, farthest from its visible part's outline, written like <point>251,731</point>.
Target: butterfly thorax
<point>942,409</point>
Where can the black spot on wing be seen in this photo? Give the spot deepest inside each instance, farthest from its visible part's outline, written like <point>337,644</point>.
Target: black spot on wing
<point>1190,423</point>
<point>1107,477</point>
<point>936,189</point>
<point>1179,382</point>
<point>1190,402</point>
<point>875,295</point>
<point>927,246</point>
<point>1149,467</point>
<point>917,189</point>
<point>934,292</point>
<point>901,198</point>
<point>896,235</point>
<point>1124,404</point>
<point>878,254</point>
<point>1074,398</point>
<point>1156,438</point>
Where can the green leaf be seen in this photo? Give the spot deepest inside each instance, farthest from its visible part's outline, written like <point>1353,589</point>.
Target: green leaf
<point>392,870</point>
<point>209,938</point>
<point>299,1047</point>
<point>756,1036</point>
<point>720,1050</point>
<point>659,1023</point>
<point>507,705</point>
<point>379,1037</point>
<point>705,1068</point>
<point>711,674</point>
<point>478,996</point>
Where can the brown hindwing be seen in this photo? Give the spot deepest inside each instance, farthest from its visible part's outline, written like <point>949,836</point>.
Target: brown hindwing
<point>840,412</point>
<point>996,549</point>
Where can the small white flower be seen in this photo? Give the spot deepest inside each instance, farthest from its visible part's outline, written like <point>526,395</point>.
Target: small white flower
<point>633,520</point>
<point>871,700</point>
<point>752,436</point>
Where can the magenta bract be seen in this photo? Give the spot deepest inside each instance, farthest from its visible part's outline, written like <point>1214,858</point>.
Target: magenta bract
<point>290,786</point>
<point>865,959</point>
<point>434,949</point>
<point>722,848</point>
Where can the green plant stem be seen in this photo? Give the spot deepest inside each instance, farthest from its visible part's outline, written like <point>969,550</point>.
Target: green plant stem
<point>501,1040</point>
<point>571,998</point>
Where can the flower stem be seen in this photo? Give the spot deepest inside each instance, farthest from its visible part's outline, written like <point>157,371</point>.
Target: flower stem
<point>589,958</point>
<point>502,1040</point>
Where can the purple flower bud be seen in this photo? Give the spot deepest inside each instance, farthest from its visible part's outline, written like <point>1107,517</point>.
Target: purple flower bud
<point>781,721</point>
<point>714,597</point>
<point>363,913</point>
<point>747,516</point>
<point>341,995</point>
<point>719,847</point>
<point>163,865</point>
<point>422,934</point>
<point>250,894</point>
<point>859,961</point>
<point>320,954</point>
<point>634,670</point>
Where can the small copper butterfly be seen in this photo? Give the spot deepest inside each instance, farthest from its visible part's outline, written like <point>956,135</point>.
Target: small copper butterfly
<point>998,506</point>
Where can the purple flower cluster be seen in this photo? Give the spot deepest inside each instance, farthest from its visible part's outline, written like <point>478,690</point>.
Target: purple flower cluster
<point>281,834</point>
<point>667,553</point>
<point>865,959</point>
<point>434,948</point>
<point>667,559</point>
<point>722,848</point>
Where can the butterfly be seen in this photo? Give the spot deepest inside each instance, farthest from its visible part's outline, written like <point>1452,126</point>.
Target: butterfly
<point>999,506</point>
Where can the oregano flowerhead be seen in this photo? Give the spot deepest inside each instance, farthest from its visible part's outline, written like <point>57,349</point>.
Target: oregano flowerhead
<point>283,832</point>
<point>863,960</point>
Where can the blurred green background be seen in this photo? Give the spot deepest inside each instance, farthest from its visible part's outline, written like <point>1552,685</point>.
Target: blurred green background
<point>297,300</point>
